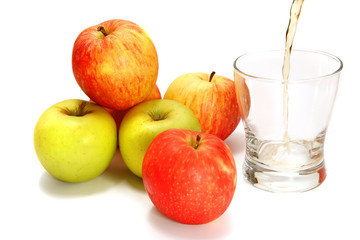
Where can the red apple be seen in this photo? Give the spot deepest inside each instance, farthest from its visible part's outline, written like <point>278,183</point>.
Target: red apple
<point>212,98</point>
<point>118,115</point>
<point>189,176</point>
<point>115,63</point>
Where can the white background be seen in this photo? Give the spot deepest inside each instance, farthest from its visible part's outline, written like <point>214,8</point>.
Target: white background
<point>36,40</point>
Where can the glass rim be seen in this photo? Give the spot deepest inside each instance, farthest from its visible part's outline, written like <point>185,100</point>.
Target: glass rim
<point>338,69</point>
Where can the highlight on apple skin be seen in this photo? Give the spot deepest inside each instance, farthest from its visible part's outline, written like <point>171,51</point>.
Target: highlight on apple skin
<point>189,176</point>
<point>115,63</point>
<point>211,97</point>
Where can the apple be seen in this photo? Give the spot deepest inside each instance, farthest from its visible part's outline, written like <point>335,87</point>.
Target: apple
<point>115,63</point>
<point>75,140</point>
<point>212,98</point>
<point>243,95</point>
<point>189,176</point>
<point>118,115</point>
<point>144,122</point>
<point>155,94</point>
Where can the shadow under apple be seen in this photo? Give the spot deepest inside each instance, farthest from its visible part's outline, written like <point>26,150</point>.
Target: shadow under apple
<point>119,172</point>
<point>116,173</point>
<point>217,229</point>
<point>236,141</point>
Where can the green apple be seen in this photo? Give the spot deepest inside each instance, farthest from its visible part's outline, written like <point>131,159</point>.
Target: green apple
<point>75,140</point>
<point>145,121</point>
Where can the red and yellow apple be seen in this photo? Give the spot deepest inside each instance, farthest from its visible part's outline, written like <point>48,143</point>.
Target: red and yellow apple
<point>211,97</point>
<point>155,94</point>
<point>189,176</point>
<point>118,115</point>
<point>115,63</point>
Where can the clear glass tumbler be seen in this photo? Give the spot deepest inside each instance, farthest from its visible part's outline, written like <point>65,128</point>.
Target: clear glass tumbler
<point>286,121</point>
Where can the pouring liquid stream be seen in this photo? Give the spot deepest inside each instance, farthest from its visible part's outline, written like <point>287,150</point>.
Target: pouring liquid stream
<point>290,34</point>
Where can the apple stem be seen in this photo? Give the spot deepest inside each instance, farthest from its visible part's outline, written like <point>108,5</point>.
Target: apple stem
<point>102,30</point>
<point>198,138</point>
<point>211,76</point>
<point>77,112</point>
<point>81,110</point>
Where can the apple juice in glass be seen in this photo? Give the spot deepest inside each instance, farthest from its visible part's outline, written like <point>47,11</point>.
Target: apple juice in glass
<point>286,111</point>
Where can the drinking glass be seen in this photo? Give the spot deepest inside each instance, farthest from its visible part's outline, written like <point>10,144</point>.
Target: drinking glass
<point>285,122</point>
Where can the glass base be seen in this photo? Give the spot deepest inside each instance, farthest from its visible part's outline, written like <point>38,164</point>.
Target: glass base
<point>284,181</point>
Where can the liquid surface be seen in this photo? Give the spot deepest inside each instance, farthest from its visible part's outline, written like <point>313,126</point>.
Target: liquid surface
<point>274,155</point>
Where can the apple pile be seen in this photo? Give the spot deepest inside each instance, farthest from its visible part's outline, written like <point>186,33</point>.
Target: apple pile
<point>174,144</point>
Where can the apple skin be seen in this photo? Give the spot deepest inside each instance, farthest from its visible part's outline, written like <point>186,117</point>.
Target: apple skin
<point>212,98</point>
<point>155,94</point>
<point>118,70</point>
<point>75,146</point>
<point>187,184</point>
<point>144,122</point>
<point>118,115</point>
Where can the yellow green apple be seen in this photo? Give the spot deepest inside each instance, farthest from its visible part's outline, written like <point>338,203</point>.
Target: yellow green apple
<point>75,140</point>
<point>145,121</point>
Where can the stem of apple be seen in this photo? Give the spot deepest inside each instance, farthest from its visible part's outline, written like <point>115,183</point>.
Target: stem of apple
<point>80,111</point>
<point>102,30</point>
<point>198,138</point>
<point>211,76</point>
